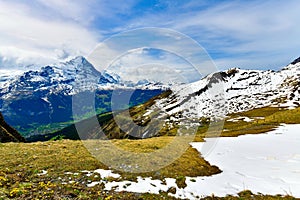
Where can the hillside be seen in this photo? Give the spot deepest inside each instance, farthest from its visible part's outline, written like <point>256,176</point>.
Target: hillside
<point>65,169</point>
<point>7,133</point>
<point>187,107</point>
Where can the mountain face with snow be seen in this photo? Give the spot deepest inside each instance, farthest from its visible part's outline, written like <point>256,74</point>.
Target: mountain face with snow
<point>232,91</point>
<point>67,78</point>
<point>213,97</point>
<point>44,96</point>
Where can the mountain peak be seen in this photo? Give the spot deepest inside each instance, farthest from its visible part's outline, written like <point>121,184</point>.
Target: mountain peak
<point>78,60</point>
<point>81,66</point>
<point>295,65</point>
<point>296,61</point>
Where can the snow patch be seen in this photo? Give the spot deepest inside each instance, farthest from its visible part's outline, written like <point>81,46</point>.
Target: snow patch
<point>44,172</point>
<point>266,163</point>
<point>106,173</point>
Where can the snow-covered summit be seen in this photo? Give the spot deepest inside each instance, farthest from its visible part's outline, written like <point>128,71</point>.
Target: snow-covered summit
<point>295,61</point>
<point>231,91</point>
<point>293,66</point>
<point>65,78</point>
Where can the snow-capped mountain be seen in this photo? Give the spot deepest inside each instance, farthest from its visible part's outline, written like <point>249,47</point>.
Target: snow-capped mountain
<point>213,97</point>
<point>66,78</point>
<point>231,91</point>
<point>7,75</point>
<point>44,96</point>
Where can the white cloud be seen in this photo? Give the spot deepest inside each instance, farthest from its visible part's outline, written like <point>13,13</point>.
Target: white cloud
<point>160,66</point>
<point>247,31</point>
<point>254,33</point>
<point>27,34</point>
<point>234,31</point>
<point>129,49</point>
<point>77,11</point>
<point>14,58</point>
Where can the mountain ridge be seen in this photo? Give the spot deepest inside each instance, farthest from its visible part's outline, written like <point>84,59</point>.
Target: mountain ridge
<point>37,99</point>
<point>213,97</point>
<point>233,90</point>
<point>297,60</point>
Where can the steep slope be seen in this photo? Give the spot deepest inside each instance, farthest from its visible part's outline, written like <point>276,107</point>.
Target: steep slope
<point>211,98</point>
<point>234,91</point>
<point>7,133</point>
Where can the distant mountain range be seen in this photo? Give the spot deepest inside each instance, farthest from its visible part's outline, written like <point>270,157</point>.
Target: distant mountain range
<point>68,78</point>
<point>40,101</point>
<point>211,98</point>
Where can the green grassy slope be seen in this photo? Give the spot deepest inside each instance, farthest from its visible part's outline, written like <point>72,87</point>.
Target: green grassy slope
<point>22,165</point>
<point>263,120</point>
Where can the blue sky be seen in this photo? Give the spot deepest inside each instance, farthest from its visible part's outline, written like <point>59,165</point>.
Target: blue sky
<point>245,34</point>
